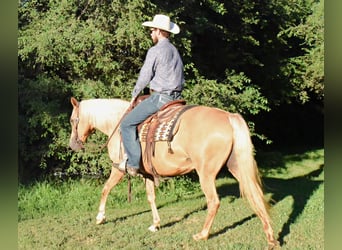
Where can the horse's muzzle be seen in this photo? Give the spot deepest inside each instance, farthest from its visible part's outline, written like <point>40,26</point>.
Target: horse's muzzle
<point>76,145</point>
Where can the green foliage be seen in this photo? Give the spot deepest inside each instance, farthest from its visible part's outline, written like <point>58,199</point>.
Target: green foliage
<point>75,46</point>
<point>57,194</point>
<point>92,161</point>
<point>307,70</point>
<point>234,94</point>
<point>48,197</point>
<point>42,126</point>
<point>178,188</point>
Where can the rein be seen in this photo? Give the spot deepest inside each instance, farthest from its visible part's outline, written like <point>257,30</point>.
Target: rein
<point>117,125</point>
<point>110,137</point>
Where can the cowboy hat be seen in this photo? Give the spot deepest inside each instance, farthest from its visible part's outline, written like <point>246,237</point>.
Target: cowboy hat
<point>163,22</point>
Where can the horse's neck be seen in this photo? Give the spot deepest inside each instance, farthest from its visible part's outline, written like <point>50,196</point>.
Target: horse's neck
<point>105,114</point>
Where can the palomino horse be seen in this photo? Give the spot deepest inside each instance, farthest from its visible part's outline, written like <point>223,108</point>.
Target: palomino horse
<point>206,140</point>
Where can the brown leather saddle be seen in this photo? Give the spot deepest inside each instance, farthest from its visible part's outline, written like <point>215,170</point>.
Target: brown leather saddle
<point>159,127</point>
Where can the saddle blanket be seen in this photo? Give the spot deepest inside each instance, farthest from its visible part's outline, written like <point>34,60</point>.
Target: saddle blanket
<point>164,130</point>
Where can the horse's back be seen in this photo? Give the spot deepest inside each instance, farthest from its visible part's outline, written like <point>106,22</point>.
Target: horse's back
<point>202,133</point>
<point>205,119</point>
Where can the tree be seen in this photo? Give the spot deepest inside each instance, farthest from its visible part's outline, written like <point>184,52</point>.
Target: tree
<point>306,71</point>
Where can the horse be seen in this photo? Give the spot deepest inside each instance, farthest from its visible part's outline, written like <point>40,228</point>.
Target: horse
<point>207,139</point>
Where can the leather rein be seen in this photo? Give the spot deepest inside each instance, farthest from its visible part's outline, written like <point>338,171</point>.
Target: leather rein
<point>118,124</point>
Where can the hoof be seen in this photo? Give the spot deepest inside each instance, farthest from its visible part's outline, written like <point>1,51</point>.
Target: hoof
<point>200,236</point>
<point>153,228</point>
<point>100,219</point>
<point>273,245</point>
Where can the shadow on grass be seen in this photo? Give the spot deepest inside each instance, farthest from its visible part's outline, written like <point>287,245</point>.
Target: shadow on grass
<point>185,216</point>
<point>125,217</point>
<point>299,188</point>
<point>234,225</point>
<point>169,203</point>
<point>275,160</point>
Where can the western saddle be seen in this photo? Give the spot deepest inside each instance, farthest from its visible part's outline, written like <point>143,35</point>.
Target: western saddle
<point>159,127</point>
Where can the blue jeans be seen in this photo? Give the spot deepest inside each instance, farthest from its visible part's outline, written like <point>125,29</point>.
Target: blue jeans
<point>140,113</point>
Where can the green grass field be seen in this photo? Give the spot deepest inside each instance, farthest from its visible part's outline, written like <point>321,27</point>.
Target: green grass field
<point>61,214</point>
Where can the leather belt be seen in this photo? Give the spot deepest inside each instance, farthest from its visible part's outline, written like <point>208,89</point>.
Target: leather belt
<point>154,91</point>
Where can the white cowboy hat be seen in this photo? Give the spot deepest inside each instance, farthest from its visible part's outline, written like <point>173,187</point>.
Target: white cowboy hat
<point>163,22</point>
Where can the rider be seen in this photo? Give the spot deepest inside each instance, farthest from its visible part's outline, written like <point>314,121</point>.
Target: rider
<point>163,71</point>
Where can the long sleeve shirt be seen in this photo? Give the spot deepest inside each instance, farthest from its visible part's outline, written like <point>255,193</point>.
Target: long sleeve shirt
<point>162,69</point>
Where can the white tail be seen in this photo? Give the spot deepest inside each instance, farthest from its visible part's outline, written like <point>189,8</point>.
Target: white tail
<point>243,166</point>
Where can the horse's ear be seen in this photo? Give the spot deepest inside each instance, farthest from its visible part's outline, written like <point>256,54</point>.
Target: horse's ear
<point>74,102</point>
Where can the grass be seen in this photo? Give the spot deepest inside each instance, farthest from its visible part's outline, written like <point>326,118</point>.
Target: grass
<point>61,214</point>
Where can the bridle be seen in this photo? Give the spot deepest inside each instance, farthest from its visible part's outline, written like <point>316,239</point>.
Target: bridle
<point>75,121</point>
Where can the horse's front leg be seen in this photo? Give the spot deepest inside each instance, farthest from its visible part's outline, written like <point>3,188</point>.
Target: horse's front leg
<point>114,178</point>
<point>151,197</point>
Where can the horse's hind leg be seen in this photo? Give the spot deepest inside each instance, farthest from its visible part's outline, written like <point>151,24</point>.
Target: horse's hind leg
<point>114,178</point>
<point>213,203</point>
